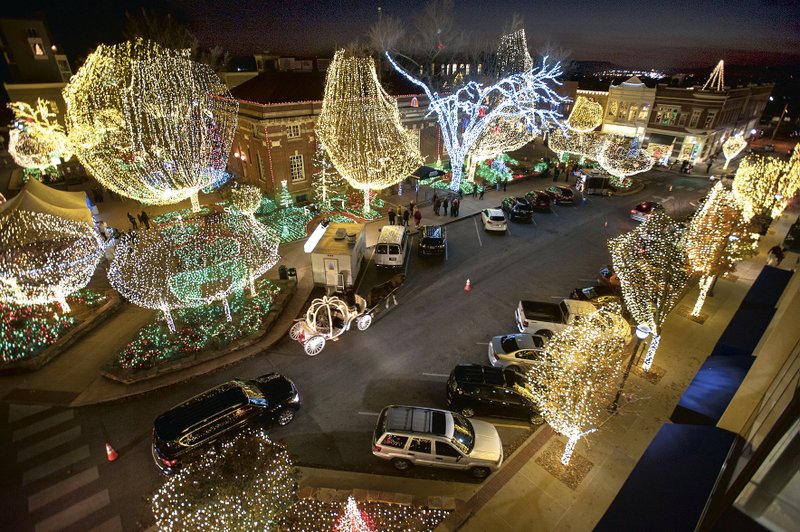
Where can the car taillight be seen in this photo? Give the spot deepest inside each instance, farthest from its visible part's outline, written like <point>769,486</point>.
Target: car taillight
<point>376,448</point>
<point>633,211</point>
<point>167,462</point>
<point>524,323</point>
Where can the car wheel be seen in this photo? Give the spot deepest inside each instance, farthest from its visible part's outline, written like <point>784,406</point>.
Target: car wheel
<point>401,464</point>
<point>285,417</point>
<point>467,412</point>
<point>479,472</point>
<point>545,333</point>
<point>314,345</point>
<point>536,419</point>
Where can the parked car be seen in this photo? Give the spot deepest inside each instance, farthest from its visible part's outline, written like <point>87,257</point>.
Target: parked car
<point>432,240</point>
<point>539,200</point>
<point>518,352</point>
<point>517,209</point>
<point>412,435</point>
<point>545,318</point>
<point>494,220</point>
<point>561,195</point>
<point>193,424</point>
<point>475,389</point>
<point>645,209</point>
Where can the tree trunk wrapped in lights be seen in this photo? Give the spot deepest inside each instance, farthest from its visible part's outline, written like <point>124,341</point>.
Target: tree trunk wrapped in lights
<point>581,369</point>
<point>465,114</point>
<point>36,139</point>
<point>733,147</point>
<point>621,157</point>
<point>764,185</point>
<point>650,262</point>
<point>244,483</point>
<point>360,127</point>
<point>192,262</point>
<point>716,239</point>
<point>149,123</point>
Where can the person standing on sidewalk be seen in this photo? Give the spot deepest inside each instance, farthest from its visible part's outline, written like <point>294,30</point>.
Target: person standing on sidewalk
<point>505,183</point>
<point>144,219</point>
<point>454,207</point>
<point>406,216</point>
<point>444,206</point>
<point>391,215</point>
<point>708,168</point>
<point>437,205</point>
<point>417,217</point>
<point>132,220</point>
<point>474,190</point>
<point>483,189</point>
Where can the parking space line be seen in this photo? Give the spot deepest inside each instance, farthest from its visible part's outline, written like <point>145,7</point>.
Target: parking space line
<point>481,343</point>
<point>508,228</point>
<point>510,426</point>
<point>369,414</point>
<point>477,232</point>
<point>556,297</point>
<point>436,375</point>
<point>585,280</point>
<point>554,211</point>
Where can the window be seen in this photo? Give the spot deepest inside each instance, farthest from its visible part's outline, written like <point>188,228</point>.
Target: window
<point>634,110</point>
<point>710,119</point>
<point>667,115</point>
<point>695,118</point>
<point>623,111</point>
<point>293,131</point>
<point>682,119</point>
<point>612,108</point>
<point>414,102</point>
<point>444,449</point>
<point>644,112</point>
<point>393,440</point>
<point>261,175</point>
<point>419,445</point>
<point>296,168</point>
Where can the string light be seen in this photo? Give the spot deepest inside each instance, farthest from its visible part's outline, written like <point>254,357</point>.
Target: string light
<point>586,115</point>
<point>246,199</point>
<point>44,258</point>
<point>464,115</point>
<point>716,81</point>
<point>732,147</point>
<point>244,483</point>
<point>309,515</point>
<point>360,127</point>
<point>757,185</point>
<point>716,239</point>
<point>149,123</point>
<point>587,145</point>
<point>622,158</point>
<point>193,262</point>
<point>650,262</point>
<point>329,186</point>
<point>353,519</point>
<point>581,368</point>
<point>36,139</point>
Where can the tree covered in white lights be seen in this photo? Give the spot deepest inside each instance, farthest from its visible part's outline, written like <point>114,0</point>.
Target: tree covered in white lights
<point>330,189</point>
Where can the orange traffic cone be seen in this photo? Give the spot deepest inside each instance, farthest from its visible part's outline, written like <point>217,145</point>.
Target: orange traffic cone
<point>468,286</point>
<point>111,454</point>
<point>670,188</point>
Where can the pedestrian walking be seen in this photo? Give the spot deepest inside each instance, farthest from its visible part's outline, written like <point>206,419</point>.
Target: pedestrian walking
<point>144,219</point>
<point>435,198</point>
<point>460,193</point>
<point>444,206</point>
<point>474,191</point>
<point>411,206</point>
<point>483,189</point>
<point>454,207</point>
<point>437,204</point>
<point>133,221</point>
<point>417,217</point>
<point>556,173</point>
<point>505,183</point>
<point>391,215</point>
<point>708,168</point>
<point>775,256</point>
<point>406,216</point>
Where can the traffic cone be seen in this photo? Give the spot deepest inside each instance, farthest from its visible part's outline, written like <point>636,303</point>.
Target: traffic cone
<point>670,188</point>
<point>111,454</point>
<point>468,286</point>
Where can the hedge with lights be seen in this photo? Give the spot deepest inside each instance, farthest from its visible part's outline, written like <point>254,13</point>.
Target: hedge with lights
<point>312,515</point>
<point>36,140</point>
<point>622,158</point>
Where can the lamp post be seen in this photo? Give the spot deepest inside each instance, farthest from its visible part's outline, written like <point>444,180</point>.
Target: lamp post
<point>642,332</point>
<point>242,158</point>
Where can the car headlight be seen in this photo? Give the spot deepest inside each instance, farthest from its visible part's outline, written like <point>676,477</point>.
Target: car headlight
<point>295,398</point>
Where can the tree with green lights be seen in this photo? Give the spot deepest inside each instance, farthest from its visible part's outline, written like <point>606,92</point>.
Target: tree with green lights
<point>330,188</point>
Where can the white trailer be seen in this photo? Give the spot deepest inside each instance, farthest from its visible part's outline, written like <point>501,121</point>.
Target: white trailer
<point>336,259</point>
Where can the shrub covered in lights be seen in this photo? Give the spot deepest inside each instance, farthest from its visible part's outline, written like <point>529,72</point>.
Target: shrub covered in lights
<point>621,157</point>
<point>27,330</point>
<point>244,483</point>
<point>199,329</point>
<point>36,139</point>
<point>312,515</point>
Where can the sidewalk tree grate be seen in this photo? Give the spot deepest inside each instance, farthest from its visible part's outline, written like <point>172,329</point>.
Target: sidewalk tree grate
<point>570,475</point>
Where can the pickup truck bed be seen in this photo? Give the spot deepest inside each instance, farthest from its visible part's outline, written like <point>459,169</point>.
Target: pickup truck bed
<point>543,311</point>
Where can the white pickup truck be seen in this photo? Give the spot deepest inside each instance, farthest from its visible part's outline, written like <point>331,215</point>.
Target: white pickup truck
<point>545,318</point>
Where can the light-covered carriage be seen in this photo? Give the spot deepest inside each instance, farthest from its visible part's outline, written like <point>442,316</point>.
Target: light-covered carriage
<point>326,319</point>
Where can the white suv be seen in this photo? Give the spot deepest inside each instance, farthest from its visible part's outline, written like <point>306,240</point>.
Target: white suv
<point>494,220</point>
<point>411,435</point>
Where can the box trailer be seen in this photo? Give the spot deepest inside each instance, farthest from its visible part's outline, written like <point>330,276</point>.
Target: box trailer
<point>336,259</point>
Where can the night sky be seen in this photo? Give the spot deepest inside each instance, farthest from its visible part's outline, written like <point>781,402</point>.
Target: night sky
<point>645,33</point>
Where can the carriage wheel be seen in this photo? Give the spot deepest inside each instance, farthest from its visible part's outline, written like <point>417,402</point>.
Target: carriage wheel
<point>296,330</point>
<point>363,322</point>
<point>314,345</point>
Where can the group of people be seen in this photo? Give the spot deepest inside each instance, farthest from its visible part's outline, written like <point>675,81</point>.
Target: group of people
<point>142,218</point>
<point>403,217</point>
<point>453,203</point>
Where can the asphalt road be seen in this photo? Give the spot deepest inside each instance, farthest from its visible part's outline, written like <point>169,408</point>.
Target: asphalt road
<point>403,358</point>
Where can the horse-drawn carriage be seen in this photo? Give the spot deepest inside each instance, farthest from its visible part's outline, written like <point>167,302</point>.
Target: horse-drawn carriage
<point>329,317</point>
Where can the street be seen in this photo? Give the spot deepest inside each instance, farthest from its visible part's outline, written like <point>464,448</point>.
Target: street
<point>405,357</point>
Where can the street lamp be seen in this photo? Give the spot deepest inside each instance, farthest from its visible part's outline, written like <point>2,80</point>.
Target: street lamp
<point>242,158</point>
<point>642,332</point>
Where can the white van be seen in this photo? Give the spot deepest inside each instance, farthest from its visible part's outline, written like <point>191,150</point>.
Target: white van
<point>391,247</point>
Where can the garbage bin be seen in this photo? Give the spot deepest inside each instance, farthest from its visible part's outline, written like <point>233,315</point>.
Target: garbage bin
<point>292,272</point>
<point>282,273</point>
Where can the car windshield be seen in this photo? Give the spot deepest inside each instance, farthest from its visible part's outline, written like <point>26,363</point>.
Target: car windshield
<point>463,435</point>
<point>497,218</point>
<point>509,343</point>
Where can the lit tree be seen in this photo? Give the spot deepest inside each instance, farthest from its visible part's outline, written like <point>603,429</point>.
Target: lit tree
<point>329,186</point>
<point>579,374</point>
<point>246,199</point>
<point>36,140</point>
<point>586,115</point>
<point>716,239</point>
<point>650,262</point>
<point>353,519</point>
<point>733,147</point>
<point>245,483</point>
<point>464,115</point>
<point>759,187</point>
<point>285,199</point>
<point>192,262</point>
<point>584,144</point>
<point>149,123</point>
<point>621,157</point>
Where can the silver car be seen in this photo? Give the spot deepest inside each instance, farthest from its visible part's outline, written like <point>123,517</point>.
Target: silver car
<point>519,352</point>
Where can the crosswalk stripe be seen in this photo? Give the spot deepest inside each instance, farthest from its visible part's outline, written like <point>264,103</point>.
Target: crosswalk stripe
<point>48,468</point>
<point>39,426</point>
<point>50,443</point>
<point>60,489</point>
<point>17,412</point>
<point>74,513</point>
<point>112,525</point>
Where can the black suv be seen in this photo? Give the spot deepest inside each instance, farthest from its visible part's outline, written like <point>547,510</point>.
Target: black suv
<point>178,432</point>
<point>517,209</point>
<point>499,392</point>
<point>432,240</point>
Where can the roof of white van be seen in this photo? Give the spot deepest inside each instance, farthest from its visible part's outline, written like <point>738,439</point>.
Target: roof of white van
<point>391,234</point>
